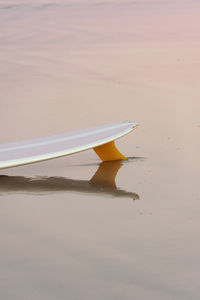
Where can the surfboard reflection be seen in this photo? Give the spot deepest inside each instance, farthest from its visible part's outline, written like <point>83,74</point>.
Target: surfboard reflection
<point>102,182</point>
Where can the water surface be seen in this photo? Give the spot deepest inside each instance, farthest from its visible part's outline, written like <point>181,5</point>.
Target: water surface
<point>67,65</point>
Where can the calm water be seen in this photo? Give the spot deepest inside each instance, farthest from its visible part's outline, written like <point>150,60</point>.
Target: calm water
<point>69,229</point>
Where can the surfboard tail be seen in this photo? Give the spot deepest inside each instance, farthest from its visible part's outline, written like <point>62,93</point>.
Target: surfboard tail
<point>100,138</point>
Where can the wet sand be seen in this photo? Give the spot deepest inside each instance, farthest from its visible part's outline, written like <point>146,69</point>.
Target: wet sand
<point>135,233</point>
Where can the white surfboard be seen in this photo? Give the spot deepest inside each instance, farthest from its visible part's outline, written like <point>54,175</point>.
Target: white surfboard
<point>101,139</point>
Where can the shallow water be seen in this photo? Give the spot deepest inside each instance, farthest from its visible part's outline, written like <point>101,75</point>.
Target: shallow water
<point>133,232</point>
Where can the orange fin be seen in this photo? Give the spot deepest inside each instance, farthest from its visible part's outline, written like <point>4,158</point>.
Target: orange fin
<point>106,173</point>
<point>109,152</point>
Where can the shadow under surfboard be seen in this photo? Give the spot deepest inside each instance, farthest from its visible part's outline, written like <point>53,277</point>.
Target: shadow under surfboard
<point>102,182</point>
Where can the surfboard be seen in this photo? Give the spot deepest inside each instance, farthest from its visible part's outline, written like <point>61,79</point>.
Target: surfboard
<point>100,138</point>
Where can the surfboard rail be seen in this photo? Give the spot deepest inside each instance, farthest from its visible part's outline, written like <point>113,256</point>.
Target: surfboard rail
<point>100,138</point>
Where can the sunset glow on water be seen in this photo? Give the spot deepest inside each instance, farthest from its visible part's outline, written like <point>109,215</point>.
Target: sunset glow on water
<point>68,65</point>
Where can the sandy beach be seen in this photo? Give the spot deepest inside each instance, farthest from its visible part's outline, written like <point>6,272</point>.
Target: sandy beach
<point>67,65</point>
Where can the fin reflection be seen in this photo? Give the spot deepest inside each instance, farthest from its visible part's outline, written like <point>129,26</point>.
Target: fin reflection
<point>102,182</point>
